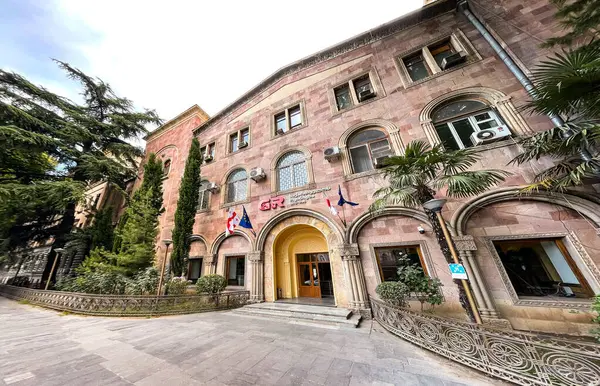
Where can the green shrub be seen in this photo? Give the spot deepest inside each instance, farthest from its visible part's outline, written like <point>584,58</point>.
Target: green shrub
<point>393,292</point>
<point>596,308</point>
<point>177,286</point>
<point>211,284</point>
<point>144,282</point>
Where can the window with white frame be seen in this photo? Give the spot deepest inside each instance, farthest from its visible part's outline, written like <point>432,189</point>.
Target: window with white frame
<point>203,195</point>
<point>456,121</point>
<point>239,140</point>
<point>434,58</point>
<point>354,92</point>
<point>292,171</point>
<point>366,147</point>
<point>289,119</point>
<point>237,186</point>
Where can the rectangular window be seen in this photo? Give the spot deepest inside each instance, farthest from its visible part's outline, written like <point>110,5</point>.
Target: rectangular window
<point>208,152</point>
<point>542,268</point>
<point>456,134</point>
<point>388,260</point>
<point>363,88</point>
<point>288,119</point>
<point>235,269</point>
<point>433,59</point>
<point>343,98</point>
<point>239,140</point>
<point>195,270</point>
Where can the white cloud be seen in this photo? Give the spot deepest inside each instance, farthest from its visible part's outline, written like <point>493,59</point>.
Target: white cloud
<point>169,55</point>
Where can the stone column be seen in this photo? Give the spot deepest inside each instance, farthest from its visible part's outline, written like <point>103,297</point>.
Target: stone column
<point>210,264</point>
<point>355,276</point>
<point>257,292</point>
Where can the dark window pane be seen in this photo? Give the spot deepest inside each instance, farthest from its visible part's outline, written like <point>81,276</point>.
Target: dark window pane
<point>361,162</point>
<point>464,129</point>
<point>441,51</point>
<point>487,125</point>
<point>416,67</point>
<point>235,271</point>
<point>233,143</point>
<point>245,134</point>
<point>280,122</point>
<point>363,88</point>
<point>446,137</point>
<point>195,269</point>
<point>388,260</point>
<point>455,109</point>
<point>303,258</point>
<point>342,97</point>
<point>365,136</point>
<point>305,274</point>
<point>295,116</point>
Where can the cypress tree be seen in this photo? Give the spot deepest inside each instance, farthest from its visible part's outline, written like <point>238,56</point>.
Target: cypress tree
<point>102,229</point>
<point>186,210</point>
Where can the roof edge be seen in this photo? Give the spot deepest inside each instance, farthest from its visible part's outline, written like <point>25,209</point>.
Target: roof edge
<point>173,121</point>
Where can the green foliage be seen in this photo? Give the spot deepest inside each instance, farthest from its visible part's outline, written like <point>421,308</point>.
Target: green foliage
<point>52,147</point>
<point>145,282</point>
<point>177,286</point>
<point>102,229</point>
<point>108,280</point>
<point>138,234</point>
<point>596,319</point>
<point>415,176</point>
<point>185,213</point>
<point>579,17</point>
<point>393,292</point>
<point>211,284</point>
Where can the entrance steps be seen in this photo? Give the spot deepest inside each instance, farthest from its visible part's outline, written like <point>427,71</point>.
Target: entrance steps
<point>320,316</point>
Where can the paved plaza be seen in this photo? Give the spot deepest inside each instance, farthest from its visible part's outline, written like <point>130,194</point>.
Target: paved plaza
<point>42,347</point>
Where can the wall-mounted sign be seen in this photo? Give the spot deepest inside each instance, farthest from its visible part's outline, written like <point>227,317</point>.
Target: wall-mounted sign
<point>272,203</point>
<point>458,271</point>
<point>305,196</point>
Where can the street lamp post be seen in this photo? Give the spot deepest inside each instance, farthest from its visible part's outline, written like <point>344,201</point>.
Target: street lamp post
<point>436,206</point>
<point>162,269</point>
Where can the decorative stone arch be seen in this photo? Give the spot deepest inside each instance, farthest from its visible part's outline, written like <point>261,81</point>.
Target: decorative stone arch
<point>214,248</point>
<point>493,98</point>
<point>280,217</point>
<point>356,226</point>
<point>309,168</point>
<point>461,216</point>
<point>165,148</point>
<point>391,129</point>
<point>199,238</point>
<point>224,186</point>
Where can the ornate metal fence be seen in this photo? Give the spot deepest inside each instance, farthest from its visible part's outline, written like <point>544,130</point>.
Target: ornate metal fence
<point>124,305</point>
<point>519,357</point>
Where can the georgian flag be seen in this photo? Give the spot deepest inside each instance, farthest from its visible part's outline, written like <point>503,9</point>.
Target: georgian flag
<point>331,207</point>
<point>232,221</point>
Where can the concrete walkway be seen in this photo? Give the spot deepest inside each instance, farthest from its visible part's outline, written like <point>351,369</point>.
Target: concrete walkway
<point>42,347</point>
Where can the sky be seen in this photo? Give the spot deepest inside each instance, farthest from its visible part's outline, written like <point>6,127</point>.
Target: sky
<point>170,54</point>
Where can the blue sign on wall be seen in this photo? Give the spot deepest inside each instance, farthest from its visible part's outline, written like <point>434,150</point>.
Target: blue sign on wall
<point>458,271</point>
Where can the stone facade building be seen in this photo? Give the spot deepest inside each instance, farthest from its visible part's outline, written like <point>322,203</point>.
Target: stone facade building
<point>327,120</point>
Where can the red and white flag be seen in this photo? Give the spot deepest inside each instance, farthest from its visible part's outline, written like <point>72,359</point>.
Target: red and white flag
<point>232,221</point>
<point>331,207</point>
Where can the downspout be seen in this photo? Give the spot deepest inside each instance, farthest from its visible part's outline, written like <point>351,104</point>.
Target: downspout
<point>463,7</point>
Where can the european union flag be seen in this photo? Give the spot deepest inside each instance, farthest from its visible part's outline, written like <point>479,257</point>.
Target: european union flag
<point>342,200</point>
<point>245,220</point>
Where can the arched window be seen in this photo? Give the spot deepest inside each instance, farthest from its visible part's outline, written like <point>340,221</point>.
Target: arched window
<point>166,167</point>
<point>237,185</point>
<point>456,121</point>
<point>292,171</point>
<point>365,147</point>
<point>203,196</point>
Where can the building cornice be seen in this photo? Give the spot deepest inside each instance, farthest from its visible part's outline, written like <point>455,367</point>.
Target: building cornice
<point>194,110</point>
<point>383,31</point>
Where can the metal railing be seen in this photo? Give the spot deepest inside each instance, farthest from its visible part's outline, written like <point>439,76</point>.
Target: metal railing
<point>125,305</point>
<point>519,357</point>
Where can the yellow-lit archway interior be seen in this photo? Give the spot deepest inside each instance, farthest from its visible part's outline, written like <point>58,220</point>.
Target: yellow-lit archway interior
<point>295,242</point>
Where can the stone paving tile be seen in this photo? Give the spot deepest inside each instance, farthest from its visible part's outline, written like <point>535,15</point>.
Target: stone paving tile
<point>41,347</point>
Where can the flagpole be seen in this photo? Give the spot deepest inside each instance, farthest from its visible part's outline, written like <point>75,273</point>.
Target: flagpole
<point>337,213</point>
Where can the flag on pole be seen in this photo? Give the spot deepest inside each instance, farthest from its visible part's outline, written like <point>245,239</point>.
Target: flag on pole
<point>245,221</point>
<point>232,221</point>
<point>331,207</point>
<point>342,200</point>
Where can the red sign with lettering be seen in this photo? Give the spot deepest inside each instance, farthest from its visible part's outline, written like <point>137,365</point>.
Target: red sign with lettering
<point>272,203</point>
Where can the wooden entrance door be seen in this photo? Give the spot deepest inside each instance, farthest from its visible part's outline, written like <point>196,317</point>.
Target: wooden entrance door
<point>309,281</point>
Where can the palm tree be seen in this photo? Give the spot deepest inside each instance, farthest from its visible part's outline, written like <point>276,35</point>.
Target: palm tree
<point>567,84</point>
<point>415,178</point>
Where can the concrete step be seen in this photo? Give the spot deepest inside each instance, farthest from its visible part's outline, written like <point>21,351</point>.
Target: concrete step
<point>328,317</point>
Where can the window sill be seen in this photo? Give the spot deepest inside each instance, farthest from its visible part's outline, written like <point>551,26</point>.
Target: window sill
<point>308,186</point>
<point>292,130</point>
<point>231,153</point>
<point>441,73</point>
<point>555,302</point>
<point>199,211</point>
<point>230,204</point>
<point>495,145</point>
<point>340,112</point>
<point>368,173</point>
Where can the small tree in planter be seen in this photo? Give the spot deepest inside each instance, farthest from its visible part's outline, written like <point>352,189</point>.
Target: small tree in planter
<point>393,292</point>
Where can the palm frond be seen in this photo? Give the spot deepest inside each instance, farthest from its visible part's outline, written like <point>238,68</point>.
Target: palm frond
<point>406,196</point>
<point>470,183</point>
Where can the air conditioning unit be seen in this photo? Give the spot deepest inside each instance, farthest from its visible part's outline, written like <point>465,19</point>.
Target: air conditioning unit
<point>490,135</point>
<point>213,187</point>
<point>365,94</point>
<point>258,174</point>
<point>379,162</point>
<point>332,153</point>
<point>453,60</point>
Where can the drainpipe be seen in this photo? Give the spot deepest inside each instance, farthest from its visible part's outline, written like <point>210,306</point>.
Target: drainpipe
<point>463,7</point>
